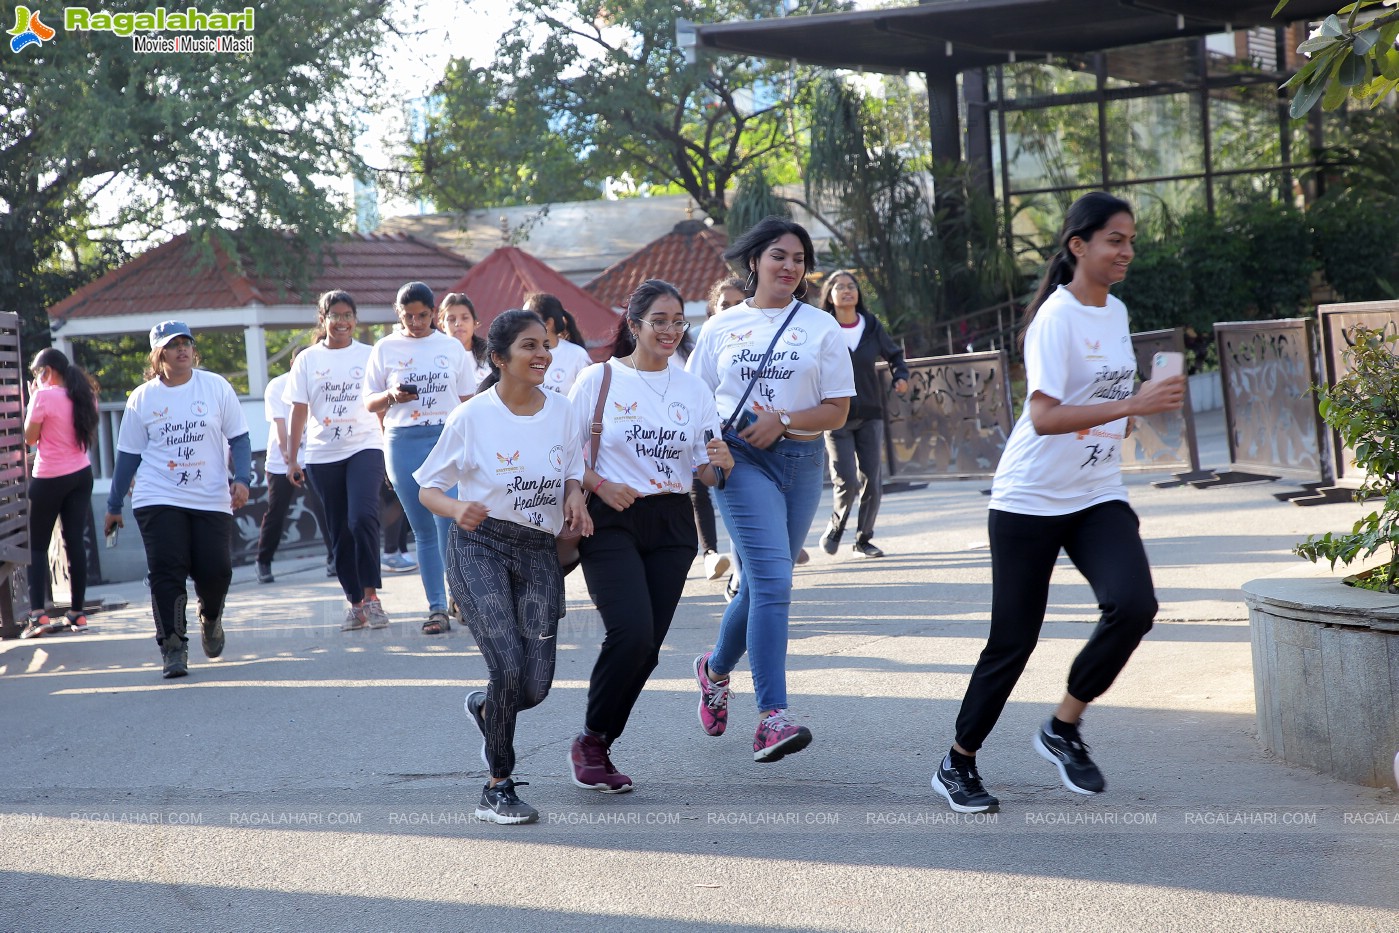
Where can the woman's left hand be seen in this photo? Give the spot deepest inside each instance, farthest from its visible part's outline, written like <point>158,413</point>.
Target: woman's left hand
<point>575,512</point>
<point>765,431</point>
<point>240,496</point>
<point>901,386</point>
<point>720,455</point>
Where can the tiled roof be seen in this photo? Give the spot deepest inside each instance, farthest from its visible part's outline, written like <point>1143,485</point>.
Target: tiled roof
<point>174,277</point>
<point>690,257</point>
<point>503,279</point>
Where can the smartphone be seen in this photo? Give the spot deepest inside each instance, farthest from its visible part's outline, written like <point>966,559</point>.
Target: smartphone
<point>718,471</point>
<point>1167,363</point>
<point>408,387</point>
<point>112,537</point>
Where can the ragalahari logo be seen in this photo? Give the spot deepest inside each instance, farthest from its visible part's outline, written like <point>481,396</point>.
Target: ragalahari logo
<point>29,30</point>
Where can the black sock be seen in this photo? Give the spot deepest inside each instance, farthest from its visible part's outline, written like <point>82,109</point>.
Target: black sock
<point>1065,730</point>
<point>959,760</point>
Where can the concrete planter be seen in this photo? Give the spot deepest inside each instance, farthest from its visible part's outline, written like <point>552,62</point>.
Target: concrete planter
<point>1326,675</point>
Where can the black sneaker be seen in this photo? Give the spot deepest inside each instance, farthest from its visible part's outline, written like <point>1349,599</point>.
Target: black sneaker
<point>211,636</point>
<point>830,540</point>
<point>962,788</point>
<point>264,574</point>
<point>1070,756</point>
<point>175,657</point>
<point>866,549</point>
<point>476,709</point>
<point>500,805</point>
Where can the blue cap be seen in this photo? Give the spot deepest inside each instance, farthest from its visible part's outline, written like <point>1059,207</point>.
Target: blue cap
<point>166,331</point>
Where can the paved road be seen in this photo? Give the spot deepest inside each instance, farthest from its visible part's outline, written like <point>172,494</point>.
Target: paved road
<point>314,779</point>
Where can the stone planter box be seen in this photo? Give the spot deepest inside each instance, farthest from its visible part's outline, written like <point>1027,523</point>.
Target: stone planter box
<point>1326,675</point>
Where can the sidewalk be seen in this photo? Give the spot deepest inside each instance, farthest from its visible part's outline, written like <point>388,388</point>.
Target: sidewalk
<point>325,780</point>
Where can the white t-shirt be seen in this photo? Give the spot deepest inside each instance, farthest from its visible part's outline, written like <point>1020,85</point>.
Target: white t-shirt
<point>853,333</point>
<point>569,360</point>
<point>182,434</point>
<point>651,443</point>
<point>436,364</point>
<point>809,363</point>
<point>1080,355</point>
<point>515,465</point>
<point>331,384</point>
<point>274,406</point>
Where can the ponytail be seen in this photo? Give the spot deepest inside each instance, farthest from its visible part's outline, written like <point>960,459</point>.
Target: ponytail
<point>80,393</point>
<point>1085,217</point>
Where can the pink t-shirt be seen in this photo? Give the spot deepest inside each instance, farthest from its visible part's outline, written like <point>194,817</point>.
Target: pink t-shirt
<point>59,452</point>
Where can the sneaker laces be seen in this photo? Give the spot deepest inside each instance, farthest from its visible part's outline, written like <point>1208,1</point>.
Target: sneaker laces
<point>778,719</point>
<point>506,790</point>
<point>1073,740</point>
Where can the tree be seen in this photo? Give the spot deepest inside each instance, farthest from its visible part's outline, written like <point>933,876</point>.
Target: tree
<point>618,83</point>
<point>1350,59</point>
<point>210,142</point>
<point>488,141</point>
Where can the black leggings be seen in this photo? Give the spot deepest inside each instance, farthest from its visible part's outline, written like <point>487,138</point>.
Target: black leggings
<point>635,563</point>
<point>67,498</point>
<point>182,543</point>
<point>506,579</point>
<point>1104,544</point>
<point>704,517</point>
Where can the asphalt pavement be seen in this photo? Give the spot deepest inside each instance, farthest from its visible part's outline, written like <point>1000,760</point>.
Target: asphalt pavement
<point>322,780</point>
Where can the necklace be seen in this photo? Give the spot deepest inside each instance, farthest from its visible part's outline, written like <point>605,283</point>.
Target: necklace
<point>636,369</point>
<point>770,314</point>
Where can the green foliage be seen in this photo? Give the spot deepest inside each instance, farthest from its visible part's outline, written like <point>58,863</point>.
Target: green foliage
<point>201,141</point>
<point>754,200</point>
<point>488,142</point>
<point>1277,261</point>
<point>1356,240</point>
<point>1348,60</point>
<point>618,88</point>
<point>928,255</point>
<point>1363,408</point>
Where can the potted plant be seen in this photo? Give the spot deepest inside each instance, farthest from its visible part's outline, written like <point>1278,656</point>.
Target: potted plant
<point>1325,656</point>
<point>1363,408</point>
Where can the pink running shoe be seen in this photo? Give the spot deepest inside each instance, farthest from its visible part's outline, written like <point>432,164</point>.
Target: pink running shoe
<point>714,699</point>
<point>591,767</point>
<point>778,736</point>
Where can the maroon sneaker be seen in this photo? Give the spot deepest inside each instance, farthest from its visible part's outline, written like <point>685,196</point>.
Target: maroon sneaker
<point>591,768</point>
<point>714,699</point>
<point>778,736</point>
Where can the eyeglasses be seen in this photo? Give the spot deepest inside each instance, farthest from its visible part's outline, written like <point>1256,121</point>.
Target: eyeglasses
<point>338,316</point>
<point>667,327</point>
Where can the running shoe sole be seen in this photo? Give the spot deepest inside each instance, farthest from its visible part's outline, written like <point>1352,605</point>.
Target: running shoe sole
<point>941,788</point>
<point>602,788</point>
<point>788,746</point>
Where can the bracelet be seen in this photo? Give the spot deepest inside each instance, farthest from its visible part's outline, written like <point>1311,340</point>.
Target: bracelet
<point>598,487</point>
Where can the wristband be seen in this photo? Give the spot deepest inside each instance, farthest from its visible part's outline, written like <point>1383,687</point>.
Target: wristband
<point>598,487</point>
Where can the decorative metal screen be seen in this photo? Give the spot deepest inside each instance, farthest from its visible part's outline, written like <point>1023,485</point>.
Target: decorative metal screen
<point>955,419</point>
<point>1336,322</point>
<point>1268,369</point>
<point>14,480</point>
<point>1164,441</point>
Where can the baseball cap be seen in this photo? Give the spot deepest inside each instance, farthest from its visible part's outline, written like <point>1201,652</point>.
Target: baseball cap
<point>166,331</point>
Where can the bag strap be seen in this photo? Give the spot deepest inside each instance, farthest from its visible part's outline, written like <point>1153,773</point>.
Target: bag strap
<point>596,427</point>
<point>761,366</point>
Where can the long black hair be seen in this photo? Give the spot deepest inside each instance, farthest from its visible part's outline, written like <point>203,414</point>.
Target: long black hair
<point>1085,217</point>
<point>828,303</point>
<point>504,329</point>
<point>80,393</point>
<point>549,308</point>
<point>743,253</point>
<point>640,302</point>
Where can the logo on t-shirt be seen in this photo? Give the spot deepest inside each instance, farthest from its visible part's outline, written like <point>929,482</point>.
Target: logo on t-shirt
<point>160,412</point>
<point>623,412</point>
<point>556,457</point>
<point>357,373</point>
<point>404,364</point>
<point>441,362</point>
<point>320,373</point>
<point>1094,349</point>
<point>199,409</point>
<point>678,413</point>
<point>794,336</point>
<point>557,375</point>
<point>734,337</point>
<point>507,463</point>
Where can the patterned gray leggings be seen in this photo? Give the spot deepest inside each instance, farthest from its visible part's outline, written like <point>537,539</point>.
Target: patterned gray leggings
<point>506,579</point>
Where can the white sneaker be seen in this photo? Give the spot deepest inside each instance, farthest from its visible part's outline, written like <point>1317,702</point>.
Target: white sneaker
<point>716,565</point>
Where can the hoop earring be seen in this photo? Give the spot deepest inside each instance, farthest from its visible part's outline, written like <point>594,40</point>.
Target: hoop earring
<point>752,281</point>
<point>802,296</point>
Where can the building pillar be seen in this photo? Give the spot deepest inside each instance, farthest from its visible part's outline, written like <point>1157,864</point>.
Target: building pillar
<point>255,339</point>
<point>944,123</point>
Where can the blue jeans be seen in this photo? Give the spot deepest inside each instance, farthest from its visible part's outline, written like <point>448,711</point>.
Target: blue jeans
<point>407,449</point>
<point>768,504</point>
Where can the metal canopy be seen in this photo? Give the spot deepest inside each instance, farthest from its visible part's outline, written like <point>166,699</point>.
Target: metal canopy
<point>943,37</point>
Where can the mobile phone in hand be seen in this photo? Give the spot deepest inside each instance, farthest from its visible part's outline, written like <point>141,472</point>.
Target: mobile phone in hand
<point>408,387</point>
<point>112,536</point>
<point>1167,363</point>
